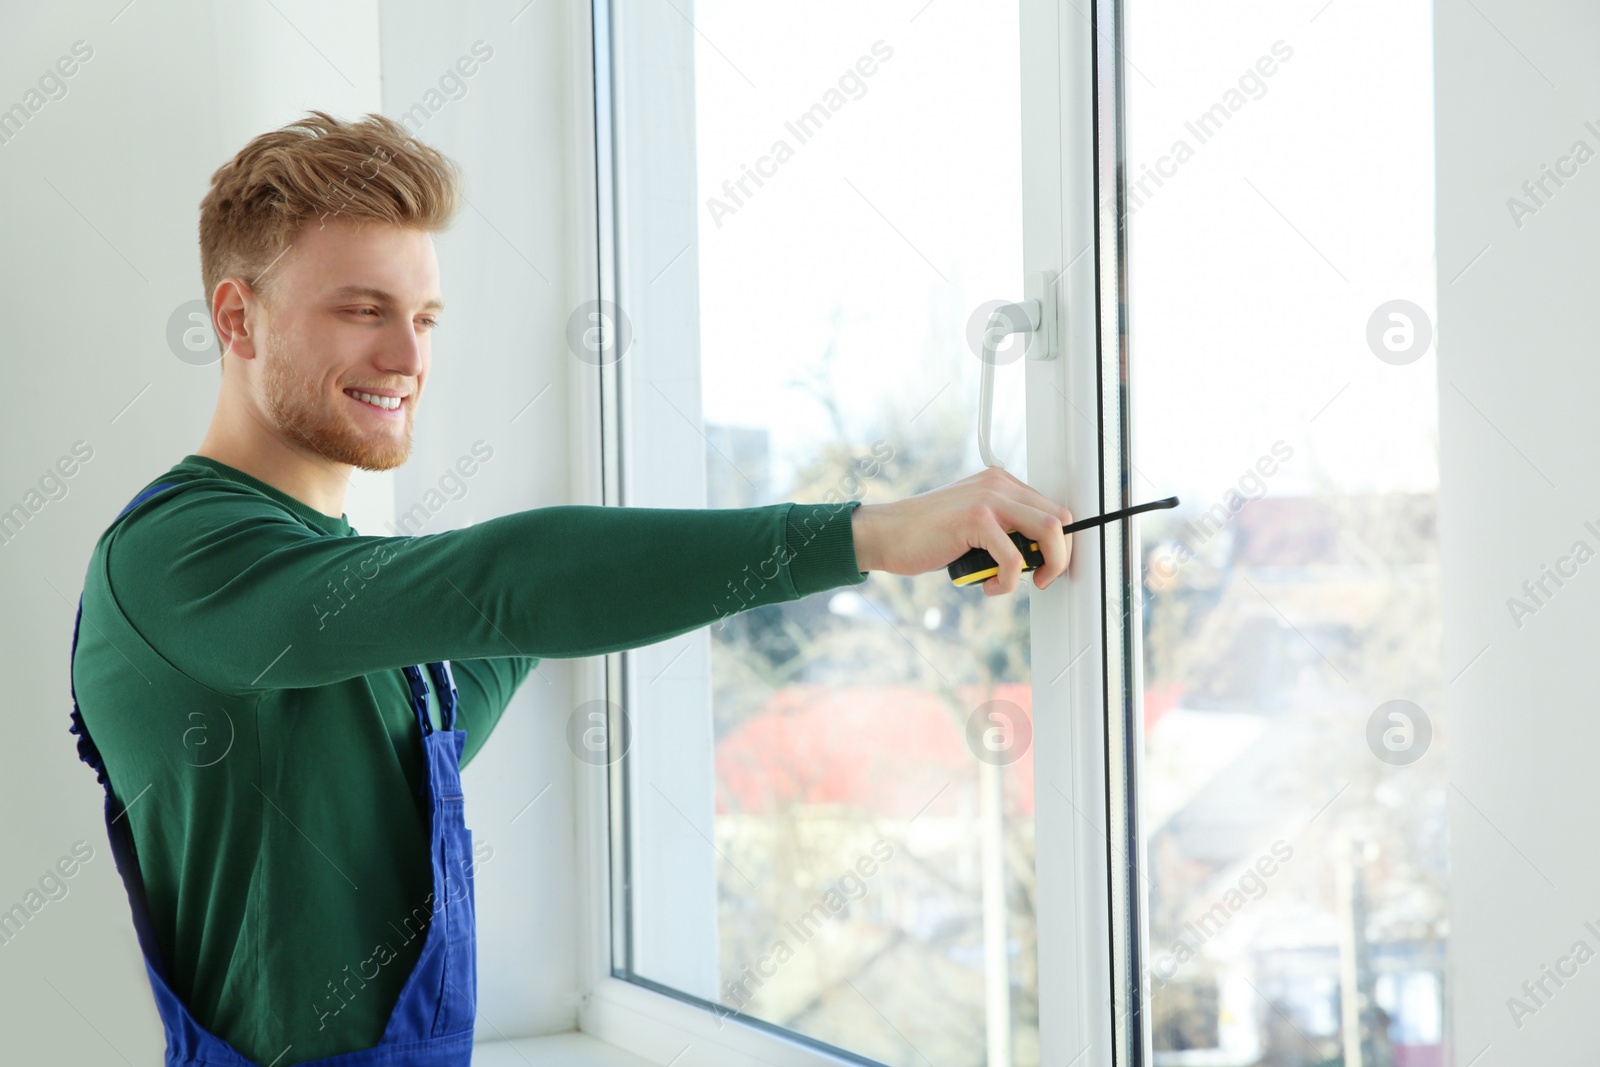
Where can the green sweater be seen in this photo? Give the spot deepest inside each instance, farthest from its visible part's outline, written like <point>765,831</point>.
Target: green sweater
<point>239,667</point>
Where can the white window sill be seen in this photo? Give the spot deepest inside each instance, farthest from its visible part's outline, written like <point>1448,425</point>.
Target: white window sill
<point>571,1049</point>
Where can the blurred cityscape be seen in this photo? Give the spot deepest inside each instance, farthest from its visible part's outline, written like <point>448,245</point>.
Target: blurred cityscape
<point>1296,881</point>
<point>1265,655</point>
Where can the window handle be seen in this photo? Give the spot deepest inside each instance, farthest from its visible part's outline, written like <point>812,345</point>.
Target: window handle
<point>1034,316</point>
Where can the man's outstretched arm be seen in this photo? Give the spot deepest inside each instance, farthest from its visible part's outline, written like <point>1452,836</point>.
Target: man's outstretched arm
<point>242,597</point>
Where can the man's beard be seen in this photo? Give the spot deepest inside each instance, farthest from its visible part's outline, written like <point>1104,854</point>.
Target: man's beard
<point>300,412</point>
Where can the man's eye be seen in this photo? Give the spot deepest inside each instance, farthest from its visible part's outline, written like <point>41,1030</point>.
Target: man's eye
<point>429,323</point>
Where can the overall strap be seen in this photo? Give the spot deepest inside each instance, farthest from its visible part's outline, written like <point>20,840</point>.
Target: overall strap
<point>117,828</point>
<point>87,752</point>
<point>444,684</point>
<point>444,687</point>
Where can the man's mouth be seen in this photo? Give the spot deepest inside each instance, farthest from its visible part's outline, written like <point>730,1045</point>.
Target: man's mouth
<point>389,405</point>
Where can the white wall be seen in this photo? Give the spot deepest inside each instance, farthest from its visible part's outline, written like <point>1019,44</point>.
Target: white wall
<point>1518,384</point>
<point>99,197</point>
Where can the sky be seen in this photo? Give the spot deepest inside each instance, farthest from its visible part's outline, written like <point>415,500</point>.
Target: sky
<point>900,216</point>
<point>1254,269</point>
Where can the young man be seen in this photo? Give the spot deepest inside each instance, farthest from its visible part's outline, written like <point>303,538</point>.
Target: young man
<point>279,707</point>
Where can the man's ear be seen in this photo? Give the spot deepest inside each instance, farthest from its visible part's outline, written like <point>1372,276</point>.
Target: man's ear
<point>234,315</point>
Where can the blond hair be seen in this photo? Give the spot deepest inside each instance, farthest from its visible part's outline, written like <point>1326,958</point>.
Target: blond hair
<point>371,170</point>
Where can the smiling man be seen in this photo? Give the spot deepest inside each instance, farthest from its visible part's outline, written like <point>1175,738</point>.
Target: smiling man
<point>282,781</point>
<point>336,376</point>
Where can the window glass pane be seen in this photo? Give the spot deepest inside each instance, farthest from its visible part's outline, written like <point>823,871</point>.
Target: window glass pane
<point>858,197</point>
<point>1281,287</point>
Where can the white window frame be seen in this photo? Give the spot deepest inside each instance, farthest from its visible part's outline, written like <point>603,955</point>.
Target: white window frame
<point>1075,440</point>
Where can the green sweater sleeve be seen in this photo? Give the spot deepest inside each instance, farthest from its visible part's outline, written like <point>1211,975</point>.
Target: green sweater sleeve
<point>236,592</point>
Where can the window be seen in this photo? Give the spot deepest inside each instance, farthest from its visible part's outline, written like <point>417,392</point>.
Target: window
<point>1186,808</point>
<point>824,818</point>
<point>1279,220</point>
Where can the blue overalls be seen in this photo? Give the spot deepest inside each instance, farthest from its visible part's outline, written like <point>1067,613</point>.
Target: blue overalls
<point>431,1024</point>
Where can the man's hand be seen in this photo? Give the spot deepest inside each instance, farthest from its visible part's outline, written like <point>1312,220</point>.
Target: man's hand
<point>931,530</point>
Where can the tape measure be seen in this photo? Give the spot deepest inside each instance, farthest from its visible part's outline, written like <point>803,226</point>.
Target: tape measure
<point>977,565</point>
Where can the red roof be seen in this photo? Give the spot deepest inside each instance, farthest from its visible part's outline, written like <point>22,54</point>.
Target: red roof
<point>1159,698</point>
<point>884,750</point>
